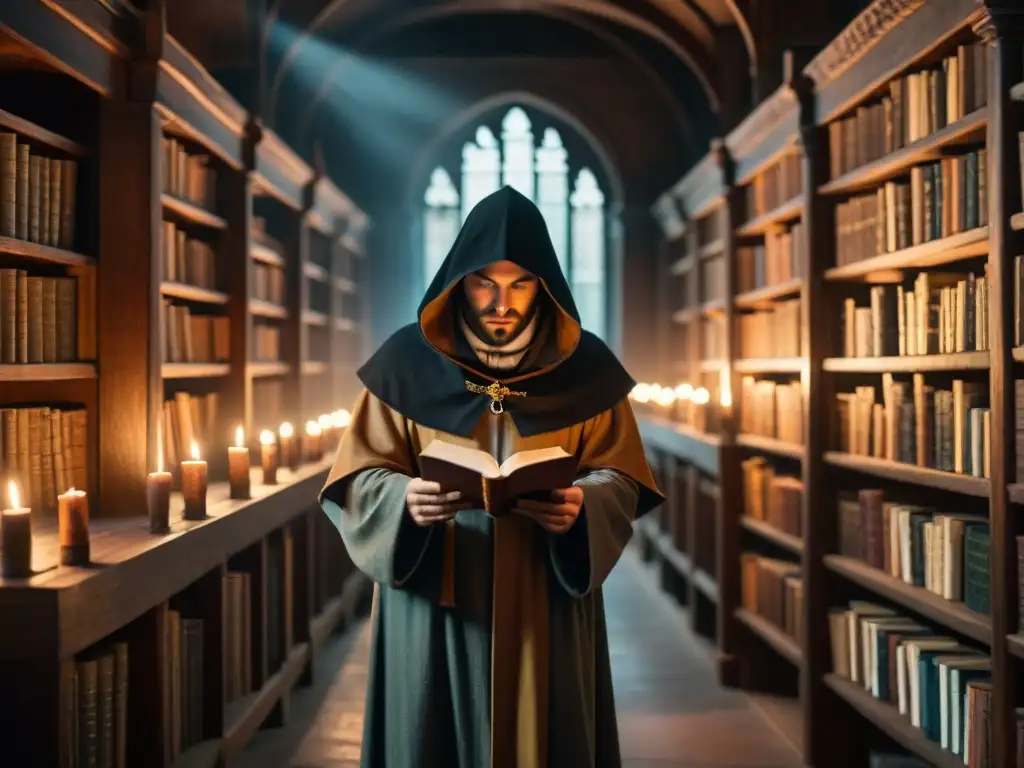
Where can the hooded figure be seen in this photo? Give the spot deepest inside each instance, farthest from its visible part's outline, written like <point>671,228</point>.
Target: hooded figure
<point>489,641</point>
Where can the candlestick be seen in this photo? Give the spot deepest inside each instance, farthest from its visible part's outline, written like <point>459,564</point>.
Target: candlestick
<point>16,537</point>
<point>238,467</point>
<point>312,442</point>
<point>73,527</point>
<point>158,497</point>
<point>286,442</point>
<point>268,457</point>
<point>193,485</point>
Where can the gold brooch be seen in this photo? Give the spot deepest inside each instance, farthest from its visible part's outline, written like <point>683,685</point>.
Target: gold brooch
<point>496,391</point>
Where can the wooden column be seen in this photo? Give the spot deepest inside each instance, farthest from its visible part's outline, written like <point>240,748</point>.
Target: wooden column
<point>234,190</point>
<point>819,519</point>
<point>293,335</point>
<point>128,291</point>
<point>730,497</point>
<point>1002,29</point>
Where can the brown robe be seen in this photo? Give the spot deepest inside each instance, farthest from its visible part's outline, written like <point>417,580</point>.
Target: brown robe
<point>489,641</point>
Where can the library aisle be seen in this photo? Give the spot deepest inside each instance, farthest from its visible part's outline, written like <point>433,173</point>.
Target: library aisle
<point>672,711</point>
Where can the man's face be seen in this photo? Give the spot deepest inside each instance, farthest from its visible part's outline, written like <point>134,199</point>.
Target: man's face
<point>501,299</point>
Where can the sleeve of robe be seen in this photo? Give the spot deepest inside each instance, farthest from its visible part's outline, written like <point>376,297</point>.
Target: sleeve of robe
<point>365,495</point>
<point>617,488</point>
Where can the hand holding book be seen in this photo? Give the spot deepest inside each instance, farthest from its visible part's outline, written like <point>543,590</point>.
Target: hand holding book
<point>427,504</point>
<point>557,515</point>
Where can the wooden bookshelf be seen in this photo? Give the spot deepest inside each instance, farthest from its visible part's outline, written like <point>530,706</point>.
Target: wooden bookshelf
<point>298,583</point>
<point>846,80</point>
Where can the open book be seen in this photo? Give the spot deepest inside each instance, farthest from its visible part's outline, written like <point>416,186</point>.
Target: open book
<point>480,478</point>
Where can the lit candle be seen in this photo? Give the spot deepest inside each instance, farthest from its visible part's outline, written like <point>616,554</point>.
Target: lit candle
<point>158,496</point>
<point>193,485</point>
<point>684,392</point>
<point>312,443</point>
<point>16,537</point>
<point>698,414</point>
<point>286,443</point>
<point>326,429</point>
<point>268,457</point>
<point>238,467</point>
<point>73,527</point>
<point>342,419</point>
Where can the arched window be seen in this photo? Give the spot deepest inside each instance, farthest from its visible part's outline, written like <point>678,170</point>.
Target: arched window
<point>576,220</point>
<point>442,221</point>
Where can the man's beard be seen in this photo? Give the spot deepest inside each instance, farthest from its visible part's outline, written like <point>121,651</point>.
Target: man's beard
<point>501,335</point>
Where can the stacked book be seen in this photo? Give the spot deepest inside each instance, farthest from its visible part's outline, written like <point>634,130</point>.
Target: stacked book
<point>773,590</point>
<point>945,553</point>
<point>942,314</point>
<point>918,424</point>
<point>941,686</point>
<point>775,499</point>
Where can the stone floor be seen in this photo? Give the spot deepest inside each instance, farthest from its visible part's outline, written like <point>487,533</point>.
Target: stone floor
<point>672,713</point>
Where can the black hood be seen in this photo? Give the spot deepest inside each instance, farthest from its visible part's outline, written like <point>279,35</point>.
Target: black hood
<point>418,373</point>
<point>504,226</point>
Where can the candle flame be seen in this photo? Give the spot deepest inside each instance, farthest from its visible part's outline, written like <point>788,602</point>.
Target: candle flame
<point>159,456</point>
<point>342,418</point>
<point>195,451</point>
<point>267,437</point>
<point>325,421</point>
<point>286,430</point>
<point>701,396</point>
<point>312,428</point>
<point>15,497</point>
<point>684,391</point>
<point>641,392</point>
<point>239,437</point>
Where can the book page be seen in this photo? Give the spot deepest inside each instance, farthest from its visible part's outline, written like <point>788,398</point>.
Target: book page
<point>469,458</point>
<point>526,458</point>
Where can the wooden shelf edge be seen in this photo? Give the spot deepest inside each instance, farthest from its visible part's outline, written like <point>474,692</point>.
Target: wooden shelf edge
<point>313,317</point>
<point>205,754</point>
<point>768,293</point>
<point>265,369</point>
<point>968,485</point>
<point>314,367</point>
<point>29,130</point>
<point>888,720</point>
<point>192,212</point>
<point>1017,220</point>
<point>767,531</point>
<point>683,442</point>
<point>898,162</point>
<point>959,361</point>
<point>712,249</point>
<point>261,308</point>
<point>786,212</point>
<point>682,265</point>
<point>783,644</point>
<point>188,292</point>
<point>194,370</point>
<point>955,616</point>
<point>1015,644</point>
<point>679,561</point>
<point>770,445</point>
<point>243,718</point>
<point>769,365</point>
<point>1016,491</point>
<point>47,371</point>
<point>945,250</point>
<point>315,272</point>
<point>705,583</point>
<point>45,253</point>
<point>266,254</point>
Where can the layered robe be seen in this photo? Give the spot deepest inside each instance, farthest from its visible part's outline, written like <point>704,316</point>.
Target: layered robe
<point>489,642</point>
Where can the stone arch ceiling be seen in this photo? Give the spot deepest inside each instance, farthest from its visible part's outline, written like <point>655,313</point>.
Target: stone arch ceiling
<point>688,31</point>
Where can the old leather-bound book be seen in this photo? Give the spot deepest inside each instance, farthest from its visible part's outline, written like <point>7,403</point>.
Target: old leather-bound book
<point>479,477</point>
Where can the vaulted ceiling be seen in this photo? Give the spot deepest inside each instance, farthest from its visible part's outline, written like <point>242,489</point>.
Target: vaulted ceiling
<point>705,61</point>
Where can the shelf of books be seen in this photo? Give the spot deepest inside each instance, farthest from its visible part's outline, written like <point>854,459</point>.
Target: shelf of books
<point>682,420</point>
<point>767,367</point>
<point>168,577</point>
<point>878,245</point>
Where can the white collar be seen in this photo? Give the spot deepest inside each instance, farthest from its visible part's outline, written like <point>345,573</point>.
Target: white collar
<point>500,358</point>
